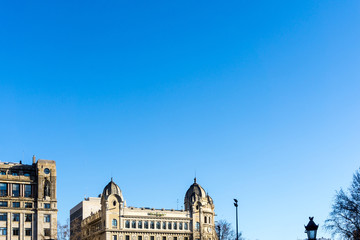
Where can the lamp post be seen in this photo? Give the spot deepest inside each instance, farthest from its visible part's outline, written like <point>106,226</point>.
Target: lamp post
<point>311,229</point>
<point>236,206</point>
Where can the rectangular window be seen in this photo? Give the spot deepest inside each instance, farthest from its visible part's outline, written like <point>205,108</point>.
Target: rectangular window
<point>164,225</point>
<point>27,231</point>
<point>16,217</point>
<point>47,232</point>
<point>28,217</point>
<point>127,237</point>
<point>28,192</point>
<point>114,237</point>
<point>3,204</point>
<point>47,217</point>
<point>3,216</point>
<point>180,226</point>
<point>16,204</point>
<point>46,205</point>
<point>175,225</point>
<point>15,231</point>
<point>133,224</point>
<point>139,237</point>
<point>197,226</point>
<point>140,224</point>
<point>158,225</point>
<point>28,205</point>
<point>3,189</point>
<point>146,224</point>
<point>16,190</point>
<point>152,225</point>
<point>152,238</point>
<point>164,238</point>
<point>127,224</point>
<point>186,226</point>
<point>169,225</point>
<point>3,231</point>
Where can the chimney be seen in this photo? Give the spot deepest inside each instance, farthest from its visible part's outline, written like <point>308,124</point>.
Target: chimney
<point>34,159</point>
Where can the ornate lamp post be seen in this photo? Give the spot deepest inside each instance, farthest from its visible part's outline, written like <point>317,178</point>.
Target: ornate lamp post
<point>311,229</point>
<point>236,206</point>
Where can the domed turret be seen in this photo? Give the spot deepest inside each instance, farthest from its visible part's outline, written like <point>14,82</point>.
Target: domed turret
<point>111,188</point>
<point>194,194</point>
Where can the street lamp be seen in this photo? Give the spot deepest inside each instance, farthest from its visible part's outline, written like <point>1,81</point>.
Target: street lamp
<point>311,229</point>
<point>236,206</point>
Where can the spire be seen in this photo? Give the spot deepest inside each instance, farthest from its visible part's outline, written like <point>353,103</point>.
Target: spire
<point>195,180</point>
<point>111,179</point>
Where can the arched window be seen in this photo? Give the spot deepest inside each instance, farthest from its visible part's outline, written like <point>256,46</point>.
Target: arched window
<point>146,224</point>
<point>127,224</point>
<point>180,226</point>
<point>114,223</point>
<point>175,225</point>
<point>158,225</point>
<point>152,224</point>
<point>186,226</point>
<point>169,225</point>
<point>164,225</point>
<point>133,224</point>
<point>139,224</point>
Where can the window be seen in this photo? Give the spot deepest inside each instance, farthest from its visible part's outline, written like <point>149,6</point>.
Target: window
<point>47,232</point>
<point>175,225</point>
<point>3,204</point>
<point>16,217</point>
<point>3,231</point>
<point>15,173</point>
<point>3,216</point>
<point>133,224</point>
<point>127,224</point>
<point>27,231</point>
<point>16,204</point>
<point>164,238</point>
<point>205,219</point>
<point>152,225</point>
<point>209,219</point>
<point>180,226</point>
<point>127,237</point>
<point>28,217</point>
<point>46,205</point>
<point>139,237</point>
<point>158,225</point>
<point>2,173</point>
<point>114,237</point>
<point>169,225</point>
<point>28,205</point>
<point>16,231</point>
<point>16,190</point>
<point>164,225</point>
<point>146,224</point>
<point>114,223</point>
<point>27,174</point>
<point>186,226</point>
<point>47,217</point>
<point>186,238</point>
<point>139,224</point>
<point>197,226</point>
<point>152,238</point>
<point>3,189</point>
<point>28,192</point>
<point>175,238</point>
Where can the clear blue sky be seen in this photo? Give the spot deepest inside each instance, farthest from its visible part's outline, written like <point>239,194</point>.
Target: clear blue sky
<point>260,98</point>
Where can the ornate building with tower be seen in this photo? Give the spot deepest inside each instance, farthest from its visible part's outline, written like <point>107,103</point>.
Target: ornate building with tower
<point>109,218</point>
<point>28,205</point>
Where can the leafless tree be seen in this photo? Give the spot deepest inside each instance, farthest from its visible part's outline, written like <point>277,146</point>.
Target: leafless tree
<point>344,220</point>
<point>225,231</point>
<point>63,231</point>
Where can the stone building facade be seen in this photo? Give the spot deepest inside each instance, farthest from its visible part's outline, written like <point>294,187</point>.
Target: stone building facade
<point>115,221</point>
<point>28,205</point>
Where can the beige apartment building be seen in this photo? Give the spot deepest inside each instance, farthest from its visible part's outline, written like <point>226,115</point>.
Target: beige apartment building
<point>28,206</point>
<point>109,218</point>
